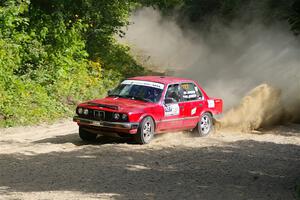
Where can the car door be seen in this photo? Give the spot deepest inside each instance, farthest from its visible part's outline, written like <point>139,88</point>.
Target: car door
<point>173,109</point>
<point>193,104</point>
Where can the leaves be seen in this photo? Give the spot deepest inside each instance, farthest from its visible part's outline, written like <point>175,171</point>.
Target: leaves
<point>56,53</point>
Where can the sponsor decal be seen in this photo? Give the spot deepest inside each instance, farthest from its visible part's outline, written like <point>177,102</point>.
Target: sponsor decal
<point>193,111</point>
<point>211,103</point>
<point>171,110</point>
<point>185,86</point>
<point>189,92</point>
<point>190,96</point>
<point>144,83</point>
<point>96,123</point>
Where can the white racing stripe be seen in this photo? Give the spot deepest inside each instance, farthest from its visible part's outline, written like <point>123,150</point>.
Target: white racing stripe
<point>144,83</point>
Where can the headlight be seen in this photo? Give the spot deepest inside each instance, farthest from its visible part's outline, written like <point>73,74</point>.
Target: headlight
<point>124,117</point>
<point>116,116</point>
<point>80,110</point>
<point>86,111</point>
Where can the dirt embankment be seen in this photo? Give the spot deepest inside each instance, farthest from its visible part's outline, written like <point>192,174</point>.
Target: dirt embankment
<point>51,162</point>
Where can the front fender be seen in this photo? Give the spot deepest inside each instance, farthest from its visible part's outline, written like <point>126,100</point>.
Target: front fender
<point>146,115</point>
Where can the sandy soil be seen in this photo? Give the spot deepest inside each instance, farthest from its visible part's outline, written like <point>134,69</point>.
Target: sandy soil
<point>51,162</point>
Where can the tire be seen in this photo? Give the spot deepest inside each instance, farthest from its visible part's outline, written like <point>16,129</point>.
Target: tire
<point>145,131</point>
<point>205,125</point>
<point>86,136</point>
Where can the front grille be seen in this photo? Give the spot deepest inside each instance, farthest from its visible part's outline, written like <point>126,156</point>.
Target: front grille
<point>98,115</point>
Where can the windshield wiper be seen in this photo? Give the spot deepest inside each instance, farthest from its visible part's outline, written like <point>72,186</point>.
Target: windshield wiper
<point>116,95</point>
<point>138,98</point>
<point>131,97</point>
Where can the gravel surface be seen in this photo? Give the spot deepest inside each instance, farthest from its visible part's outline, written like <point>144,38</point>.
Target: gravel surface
<point>51,162</point>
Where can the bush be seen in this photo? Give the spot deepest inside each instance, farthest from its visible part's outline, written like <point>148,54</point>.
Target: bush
<point>45,67</point>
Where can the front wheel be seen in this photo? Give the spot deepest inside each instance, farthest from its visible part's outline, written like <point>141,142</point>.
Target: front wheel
<point>145,131</point>
<point>204,126</point>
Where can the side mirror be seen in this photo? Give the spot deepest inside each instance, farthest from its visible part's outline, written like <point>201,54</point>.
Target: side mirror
<point>168,100</point>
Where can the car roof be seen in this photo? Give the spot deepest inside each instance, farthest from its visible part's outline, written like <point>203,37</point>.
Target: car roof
<point>161,79</point>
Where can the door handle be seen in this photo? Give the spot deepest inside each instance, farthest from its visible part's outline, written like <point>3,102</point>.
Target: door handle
<point>181,107</point>
<point>200,104</point>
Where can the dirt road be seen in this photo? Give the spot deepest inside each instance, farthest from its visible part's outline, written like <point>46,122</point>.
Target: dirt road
<point>51,162</point>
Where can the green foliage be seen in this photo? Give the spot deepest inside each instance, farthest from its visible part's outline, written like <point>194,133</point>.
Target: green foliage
<point>54,54</point>
<point>163,5</point>
<point>294,18</point>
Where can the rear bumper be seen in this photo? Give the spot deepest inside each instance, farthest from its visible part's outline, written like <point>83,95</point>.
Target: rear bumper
<point>126,127</point>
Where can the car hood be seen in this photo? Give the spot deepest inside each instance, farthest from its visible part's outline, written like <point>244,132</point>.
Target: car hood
<point>119,104</point>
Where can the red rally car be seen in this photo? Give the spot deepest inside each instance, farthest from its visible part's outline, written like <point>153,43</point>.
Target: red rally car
<point>147,105</point>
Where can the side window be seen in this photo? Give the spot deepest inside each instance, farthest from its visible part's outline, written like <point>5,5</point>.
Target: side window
<point>190,92</point>
<point>173,94</point>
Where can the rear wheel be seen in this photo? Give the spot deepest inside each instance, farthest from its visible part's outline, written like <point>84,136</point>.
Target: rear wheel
<point>204,126</point>
<point>145,131</point>
<point>86,136</point>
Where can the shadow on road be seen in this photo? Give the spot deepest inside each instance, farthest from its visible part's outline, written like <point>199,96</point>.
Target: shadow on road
<point>290,130</point>
<point>75,139</point>
<point>240,170</point>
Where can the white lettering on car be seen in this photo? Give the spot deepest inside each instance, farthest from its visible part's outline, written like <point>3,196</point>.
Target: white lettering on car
<point>189,96</point>
<point>189,92</point>
<point>144,83</point>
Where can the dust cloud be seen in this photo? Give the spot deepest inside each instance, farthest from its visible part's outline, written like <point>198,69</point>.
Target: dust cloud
<point>253,112</point>
<point>228,61</point>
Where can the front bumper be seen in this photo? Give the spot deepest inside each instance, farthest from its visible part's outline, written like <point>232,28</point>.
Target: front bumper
<point>108,125</point>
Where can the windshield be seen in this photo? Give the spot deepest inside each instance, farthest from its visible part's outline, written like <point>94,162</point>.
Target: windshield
<point>137,91</point>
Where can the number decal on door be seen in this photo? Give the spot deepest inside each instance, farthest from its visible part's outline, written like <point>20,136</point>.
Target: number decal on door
<point>171,110</point>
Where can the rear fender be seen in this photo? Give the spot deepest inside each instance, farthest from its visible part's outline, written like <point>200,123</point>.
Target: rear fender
<point>215,106</point>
